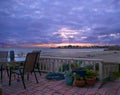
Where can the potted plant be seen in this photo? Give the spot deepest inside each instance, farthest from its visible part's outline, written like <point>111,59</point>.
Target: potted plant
<point>75,66</point>
<point>69,78</point>
<point>79,81</point>
<point>116,75</point>
<point>90,77</point>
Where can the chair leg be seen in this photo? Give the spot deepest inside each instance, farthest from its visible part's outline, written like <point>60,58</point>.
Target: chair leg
<point>36,77</point>
<point>10,75</point>
<point>22,77</point>
<point>7,71</point>
<point>38,69</point>
<point>1,72</point>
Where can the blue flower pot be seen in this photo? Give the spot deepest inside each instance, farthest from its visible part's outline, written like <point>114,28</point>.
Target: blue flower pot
<point>80,72</point>
<point>69,80</point>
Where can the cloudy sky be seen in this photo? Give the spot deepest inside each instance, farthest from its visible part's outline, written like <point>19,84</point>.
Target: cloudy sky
<point>59,21</point>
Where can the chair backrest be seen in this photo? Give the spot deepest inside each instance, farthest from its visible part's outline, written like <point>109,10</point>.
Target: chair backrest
<point>30,62</point>
<point>3,55</point>
<point>38,57</point>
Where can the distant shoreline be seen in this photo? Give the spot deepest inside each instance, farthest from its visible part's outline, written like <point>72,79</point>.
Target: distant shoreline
<point>106,48</point>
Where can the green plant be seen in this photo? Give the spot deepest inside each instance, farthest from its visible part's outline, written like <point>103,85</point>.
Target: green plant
<point>78,77</point>
<point>90,77</point>
<point>90,73</point>
<point>116,75</point>
<point>65,67</point>
<point>88,66</point>
<point>79,81</point>
<point>69,78</point>
<point>69,74</point>
<point>76,65</point>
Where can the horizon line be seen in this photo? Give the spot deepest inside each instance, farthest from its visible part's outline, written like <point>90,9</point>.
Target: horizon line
<point>50,45</point>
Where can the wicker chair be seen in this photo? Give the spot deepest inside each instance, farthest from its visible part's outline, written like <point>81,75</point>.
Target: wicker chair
<point>28,68</point>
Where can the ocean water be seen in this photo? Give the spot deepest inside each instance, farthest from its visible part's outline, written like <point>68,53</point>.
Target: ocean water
<point>49,51</point>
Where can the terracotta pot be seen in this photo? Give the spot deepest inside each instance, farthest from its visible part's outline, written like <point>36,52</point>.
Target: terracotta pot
<point>91,81</point>
<point>95,75</point>
<point>80,83</point>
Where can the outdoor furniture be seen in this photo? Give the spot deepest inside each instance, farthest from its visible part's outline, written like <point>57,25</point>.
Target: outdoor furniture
<point>28,68</point>
<point>3,59</point>
<point>37,66</point>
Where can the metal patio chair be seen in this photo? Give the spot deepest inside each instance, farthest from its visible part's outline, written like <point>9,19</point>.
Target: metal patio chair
<point>27,68</point>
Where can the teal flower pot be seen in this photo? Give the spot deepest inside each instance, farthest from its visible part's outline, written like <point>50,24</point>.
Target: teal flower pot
<point>69,80</point>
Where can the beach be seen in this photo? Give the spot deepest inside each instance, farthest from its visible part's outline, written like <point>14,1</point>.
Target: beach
<point>106,56</point>
<point>112,56</point>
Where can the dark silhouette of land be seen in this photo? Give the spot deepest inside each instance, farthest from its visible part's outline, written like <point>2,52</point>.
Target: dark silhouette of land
<point>113,47</point>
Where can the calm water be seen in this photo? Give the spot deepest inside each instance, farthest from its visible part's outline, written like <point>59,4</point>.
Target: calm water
<point>49,52</point>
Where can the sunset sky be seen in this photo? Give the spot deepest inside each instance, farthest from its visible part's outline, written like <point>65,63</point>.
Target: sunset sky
<point>42,22</point>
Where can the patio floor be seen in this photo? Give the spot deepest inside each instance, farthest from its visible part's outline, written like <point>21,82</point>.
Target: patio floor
<point>49,87</point>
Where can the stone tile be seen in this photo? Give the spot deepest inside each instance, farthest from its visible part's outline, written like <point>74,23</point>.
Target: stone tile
<point>47,87</point>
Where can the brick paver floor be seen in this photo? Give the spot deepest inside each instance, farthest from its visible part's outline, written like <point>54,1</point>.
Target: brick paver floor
<point>49,87</point>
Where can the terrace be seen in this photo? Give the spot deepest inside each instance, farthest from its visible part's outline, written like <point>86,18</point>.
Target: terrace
<point>47,87</point>
<point>52,87</point>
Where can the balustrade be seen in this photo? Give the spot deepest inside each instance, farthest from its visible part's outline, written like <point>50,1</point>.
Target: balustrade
<point>57,64</point>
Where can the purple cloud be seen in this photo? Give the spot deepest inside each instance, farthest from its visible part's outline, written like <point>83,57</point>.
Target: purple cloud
<point>27,21</point>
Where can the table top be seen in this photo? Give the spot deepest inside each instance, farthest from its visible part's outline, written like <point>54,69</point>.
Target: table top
<point>7,60</point>
<point>16,62</point>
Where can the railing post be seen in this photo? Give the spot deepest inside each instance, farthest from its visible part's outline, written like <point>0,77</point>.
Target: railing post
<point>94,66</point>
<point>53,66</point>
<point>101,71</point>
<point>69,64</point>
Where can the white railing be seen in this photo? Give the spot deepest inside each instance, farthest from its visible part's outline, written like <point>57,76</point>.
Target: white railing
<point>109,68</point>
<point>56,64</point>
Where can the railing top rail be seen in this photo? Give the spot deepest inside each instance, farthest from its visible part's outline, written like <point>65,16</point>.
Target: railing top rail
<point>69,58</point>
